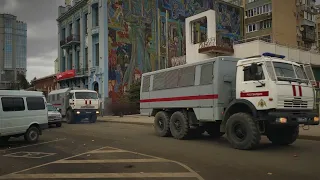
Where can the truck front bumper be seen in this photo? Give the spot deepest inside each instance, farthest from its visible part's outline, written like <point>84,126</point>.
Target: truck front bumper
<point>85,113</point>
<point>293,117</point>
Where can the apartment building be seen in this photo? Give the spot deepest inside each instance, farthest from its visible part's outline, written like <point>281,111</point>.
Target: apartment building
<point>287,22</point>
<point>13,49</point>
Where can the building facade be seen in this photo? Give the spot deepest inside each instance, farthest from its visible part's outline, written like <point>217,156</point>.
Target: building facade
<point>45,84</point>
<point>287,22</point>
<point>107,45</point>
<point>13,53</point>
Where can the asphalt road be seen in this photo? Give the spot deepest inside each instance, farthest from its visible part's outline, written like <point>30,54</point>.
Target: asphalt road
<point>111,150</point>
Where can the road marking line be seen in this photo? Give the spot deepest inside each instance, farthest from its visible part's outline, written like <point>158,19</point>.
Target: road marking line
<point>33,145</point>
<point>110,161</point>
<point>41,165</point>
<point>16,175</point>
<point>29,154</point>
<point>100,175</point>
<point>107,151</point>
<point>179,163</point>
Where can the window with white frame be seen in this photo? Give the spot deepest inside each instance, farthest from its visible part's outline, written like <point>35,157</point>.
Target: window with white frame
<point>259,10</point>
<point>265,24</point>
<point>309,16</point>
<point>252,27</point>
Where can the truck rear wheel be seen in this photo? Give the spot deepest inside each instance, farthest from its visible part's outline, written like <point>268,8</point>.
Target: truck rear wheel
<point>242,131</point>
<point>161,124</point>
<point>70,117</point>
<point>283,135</point>
<point>179,125</point>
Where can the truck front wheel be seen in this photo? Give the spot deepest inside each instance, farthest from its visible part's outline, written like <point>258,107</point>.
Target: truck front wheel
<point>179,125</point>
<point>283,135</point>
<point>161,124</point>
<point>242,131</point>
<point>70,117</point>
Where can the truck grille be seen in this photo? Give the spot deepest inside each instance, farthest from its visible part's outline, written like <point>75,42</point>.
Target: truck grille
<point>296,102</point>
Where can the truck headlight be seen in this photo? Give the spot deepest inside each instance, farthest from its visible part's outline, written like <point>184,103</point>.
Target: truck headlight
<point>97,112</point>
<point>78,112</point>
<point>281,120</point>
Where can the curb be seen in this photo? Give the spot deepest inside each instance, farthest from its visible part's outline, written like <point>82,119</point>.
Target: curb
<point>304,137</point>
<point>307,137</point>
<point>121,122</point>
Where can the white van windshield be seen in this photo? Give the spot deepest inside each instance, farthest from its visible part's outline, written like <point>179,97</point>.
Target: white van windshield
<point>86,95</point>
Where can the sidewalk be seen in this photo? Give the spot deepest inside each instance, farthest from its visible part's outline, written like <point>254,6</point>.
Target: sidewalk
<point>312,134</point>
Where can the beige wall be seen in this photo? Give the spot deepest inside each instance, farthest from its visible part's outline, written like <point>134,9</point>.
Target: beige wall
<point>284,22</point>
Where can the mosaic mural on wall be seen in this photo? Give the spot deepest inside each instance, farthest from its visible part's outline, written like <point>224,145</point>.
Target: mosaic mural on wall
<point>138,38</point>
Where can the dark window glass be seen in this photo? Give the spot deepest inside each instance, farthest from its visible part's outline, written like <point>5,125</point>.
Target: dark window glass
<point>35,103</point>
<point>12,104</point>
<point>250,77</point>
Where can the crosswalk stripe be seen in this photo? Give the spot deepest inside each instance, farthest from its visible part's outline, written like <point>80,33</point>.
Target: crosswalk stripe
<point>110,161</point>
<point>99,175</point>
<point>107,151</point>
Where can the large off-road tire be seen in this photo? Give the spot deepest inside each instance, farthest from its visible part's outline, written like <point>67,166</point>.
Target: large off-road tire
<point>283,135</point>
<point>214,130</point>
<point>179,126</point>
<point>93,118</point>
<point>161,124</point>
<point>242,131</point>
<point>32,134</point>
<point>70,117</point>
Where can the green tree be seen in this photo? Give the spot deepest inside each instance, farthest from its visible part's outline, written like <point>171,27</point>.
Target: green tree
<point>134,92</point>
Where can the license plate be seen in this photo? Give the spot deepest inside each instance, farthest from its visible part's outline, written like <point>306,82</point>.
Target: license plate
<point>87,106</point>
<point>302,119</point>
<point>88,112</point>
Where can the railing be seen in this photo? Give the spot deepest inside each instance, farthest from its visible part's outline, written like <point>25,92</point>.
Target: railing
<point>218,42</point>
<point>82,71</point>
<point>73,38</point>
<point>62,42</point>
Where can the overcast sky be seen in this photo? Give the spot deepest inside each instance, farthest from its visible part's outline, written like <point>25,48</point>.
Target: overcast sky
<point>40,16</point>
<point>42,32</point>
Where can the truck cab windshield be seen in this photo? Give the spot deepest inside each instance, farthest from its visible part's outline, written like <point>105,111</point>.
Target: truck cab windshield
<point>289,72</point>
<point>86,95</point>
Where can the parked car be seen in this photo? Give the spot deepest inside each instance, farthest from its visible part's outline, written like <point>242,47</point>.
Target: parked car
<point>54,116</point>
<point>22,113</point>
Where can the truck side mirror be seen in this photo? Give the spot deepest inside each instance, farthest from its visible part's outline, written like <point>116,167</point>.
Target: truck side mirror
<point>254,69</point>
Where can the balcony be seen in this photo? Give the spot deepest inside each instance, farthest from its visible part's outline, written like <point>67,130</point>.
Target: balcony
<point>82,71</point>
<point>71,40</point>
<point>306,22</point>
<point>212,46</point>
<point>62,42</point>
<point>308,34</point>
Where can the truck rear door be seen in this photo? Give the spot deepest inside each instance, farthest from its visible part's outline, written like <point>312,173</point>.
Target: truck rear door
<point>206,92</point>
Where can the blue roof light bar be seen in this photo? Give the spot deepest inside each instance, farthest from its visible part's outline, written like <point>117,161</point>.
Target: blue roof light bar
<point>273,55</point>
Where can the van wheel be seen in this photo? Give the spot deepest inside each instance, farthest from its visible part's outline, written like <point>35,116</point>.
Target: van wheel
<point>161,124</point>
<point>242,131</point>
<point>70,117</point>
<point>32,134</point>
<point>58,124</point>
<point>179,126</point>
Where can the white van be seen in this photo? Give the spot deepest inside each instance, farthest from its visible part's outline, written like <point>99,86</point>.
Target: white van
<point>22,113</point>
